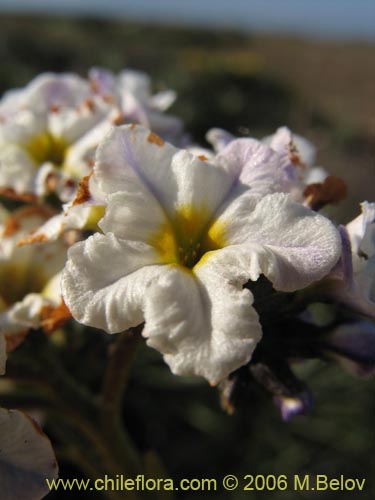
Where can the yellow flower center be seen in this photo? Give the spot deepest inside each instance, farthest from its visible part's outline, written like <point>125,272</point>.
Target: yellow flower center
<point>188,237</point>
<point>47,148</point>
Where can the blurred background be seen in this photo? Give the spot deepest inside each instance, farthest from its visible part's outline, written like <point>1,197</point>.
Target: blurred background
<point>249,67</point>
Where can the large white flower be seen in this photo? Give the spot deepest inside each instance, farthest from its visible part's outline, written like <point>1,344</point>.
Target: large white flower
<point>181,237</point>
<point>48,134</point>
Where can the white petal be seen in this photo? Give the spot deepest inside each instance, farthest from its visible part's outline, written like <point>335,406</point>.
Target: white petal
<point>42,177</point>
<point>28,267</point>
<point>22,126</point>
<point>162,100</point>
<point>306,149</point>
<point>219,138</point>
<point>23,315</point>
<point>105,279</point>
<point>291,245</point>
<point>76,218</point>
<point>49,89</point>
<point>134,216</point>
<point>50,231</point>
<point>281,140</point>
<point>102,81</point>
<point>10,102</point>
<point>26,458</point>
<point>135,84</point>
<point>253,164</point>
<point>81,154</point>
<point>49,257</point>
<point>315,175</point>
<point>203,324</point>
<point>17,170</point>
<point>362,231</point>
<point>132,158</point>
<point>83,214</point>
<point>202,153</point>
<point>71,124</point>
<point>167,126</point>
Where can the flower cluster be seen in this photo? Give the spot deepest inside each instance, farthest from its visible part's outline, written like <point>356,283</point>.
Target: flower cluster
<point>221,253</point>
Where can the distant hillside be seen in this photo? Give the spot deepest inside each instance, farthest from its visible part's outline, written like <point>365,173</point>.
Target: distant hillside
<point>252,84</point>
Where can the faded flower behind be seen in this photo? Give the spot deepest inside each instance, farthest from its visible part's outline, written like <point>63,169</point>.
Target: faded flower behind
<point>48,134</point>
<point>29,277</point>
<point>131,91</point>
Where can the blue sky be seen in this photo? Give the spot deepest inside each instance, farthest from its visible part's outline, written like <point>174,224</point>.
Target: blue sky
<point>327,18</point>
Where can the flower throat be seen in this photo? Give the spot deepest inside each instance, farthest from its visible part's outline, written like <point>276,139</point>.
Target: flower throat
<point>188,237</point>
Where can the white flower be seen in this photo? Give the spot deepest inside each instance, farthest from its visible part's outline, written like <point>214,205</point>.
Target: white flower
<point>181,237</point>
<point>131,90</point>
<point>48,134</point>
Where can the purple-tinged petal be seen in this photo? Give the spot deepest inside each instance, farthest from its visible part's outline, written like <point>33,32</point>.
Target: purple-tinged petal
<point>162,100</point>
<point>275,236</point>
<point>26,458</point>
<point>291,395</point>
<point>283,141</point>
<point>254,164</point>
<point>362,233</point>
<point>343,270</point>
<point>102,81</point>
<point>352,282</point>
<point>352,345</point>
<point>219,138</point>
<point>292,406</point>
<point>136,161</point>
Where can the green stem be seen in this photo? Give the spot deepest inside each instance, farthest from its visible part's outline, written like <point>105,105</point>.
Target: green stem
<point>91,426</point>
<point>111,398</point>
<point>117,373</point>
